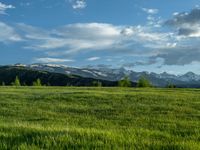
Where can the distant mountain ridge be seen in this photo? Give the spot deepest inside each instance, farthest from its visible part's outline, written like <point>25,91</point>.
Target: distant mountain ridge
<point>188,80</point>
<point>28,75</point>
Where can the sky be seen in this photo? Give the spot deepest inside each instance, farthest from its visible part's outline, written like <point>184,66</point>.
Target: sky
<point>140,35</point>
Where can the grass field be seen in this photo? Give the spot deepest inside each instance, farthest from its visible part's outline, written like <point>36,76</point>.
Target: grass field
<point>99,118</point>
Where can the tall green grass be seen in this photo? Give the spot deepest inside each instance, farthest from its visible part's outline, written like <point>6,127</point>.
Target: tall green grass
<point>99,118</point>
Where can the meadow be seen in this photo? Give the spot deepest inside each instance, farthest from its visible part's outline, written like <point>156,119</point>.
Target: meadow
<point>99,118</point>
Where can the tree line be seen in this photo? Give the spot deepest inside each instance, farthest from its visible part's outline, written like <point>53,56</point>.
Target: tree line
<point>17,82</point>
<point>125,82</point>
<point>142,82</point>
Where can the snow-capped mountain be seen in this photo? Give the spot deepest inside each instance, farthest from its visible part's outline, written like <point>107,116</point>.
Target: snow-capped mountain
<point>190,76</point>
<point>189,79</point>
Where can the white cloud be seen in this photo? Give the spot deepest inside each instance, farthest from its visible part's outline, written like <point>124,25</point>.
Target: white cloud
<point>93,58</point>
<point>8,34</point>
<point>150,11</point>
<point>93,36</point>
<point>127,31</point>
<point>186,23</point>
<point>4,7</point>
<point>52,60</point>
<point>74,37</point>
<point>79,4</point>
<point>89,37</point>
<point>175,13</point>
<point>178,47</point>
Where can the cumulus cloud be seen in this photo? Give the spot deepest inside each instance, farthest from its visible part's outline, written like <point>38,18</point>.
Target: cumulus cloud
<point>150,11</point>
<point>73,39</point>
<point>4,7</point>
<point>179,46</point>
<point>185,51</point>
<point>187,23</point>
<point>83,37</point>
<point>127,31</point>
<point>52,60</point>
<point>179,56</point>
<point>184,46</point>
<point>78,4</point>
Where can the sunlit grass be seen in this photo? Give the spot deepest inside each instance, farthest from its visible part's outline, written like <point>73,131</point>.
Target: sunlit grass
<point>99,118</point>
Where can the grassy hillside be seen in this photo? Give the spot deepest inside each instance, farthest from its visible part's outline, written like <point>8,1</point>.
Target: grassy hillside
<point>99,118</point>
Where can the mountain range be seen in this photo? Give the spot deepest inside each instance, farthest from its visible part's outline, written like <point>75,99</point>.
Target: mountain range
<point>28,75</point>
<point>188,80</point>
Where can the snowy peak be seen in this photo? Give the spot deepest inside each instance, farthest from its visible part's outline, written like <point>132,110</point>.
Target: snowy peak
<point>111,74</point>
<point>190,76</point>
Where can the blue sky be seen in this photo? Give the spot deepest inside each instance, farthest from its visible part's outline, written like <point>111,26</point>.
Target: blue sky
<point>141,35</point>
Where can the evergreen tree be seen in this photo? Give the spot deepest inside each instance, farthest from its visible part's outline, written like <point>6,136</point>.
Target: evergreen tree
<point>143,82</point>
<point>37,83</point>
<point>3,84</point>
<point>97,84</point>
<point>125,82</point>
<point>16,82</point>
<point>171,86</point>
